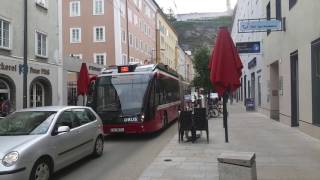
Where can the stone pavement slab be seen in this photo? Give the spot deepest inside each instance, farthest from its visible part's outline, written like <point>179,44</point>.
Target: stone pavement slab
<point>282,152</point>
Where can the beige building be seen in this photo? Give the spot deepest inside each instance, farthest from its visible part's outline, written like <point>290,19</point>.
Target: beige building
<point>109,32</point>
<point>292,59</point>
<point>291,62</point>
<point>167,42</point>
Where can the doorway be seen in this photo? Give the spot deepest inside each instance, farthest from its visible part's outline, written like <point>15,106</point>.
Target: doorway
<point>294,89</point>
<point>315,52</point>
<point>253,86</point>
<point>274,86</point>
<point>259,91</point>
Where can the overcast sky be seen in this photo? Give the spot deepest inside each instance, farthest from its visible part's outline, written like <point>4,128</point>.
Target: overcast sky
<point>188,6</point>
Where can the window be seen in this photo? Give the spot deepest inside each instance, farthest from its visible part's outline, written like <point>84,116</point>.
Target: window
<point>66,119</point>
<point>42,3</point>
<point>292,3</point>
<point>41,44</point>
<point>123,36</point>
<point>123,9</point>
<point>99,34</point>
<point>98,7</point>
<point>137,43</point>
<point>124,59</point>
<point>130,15</point>
<point>130,39</point>
<point>135,19</point>
<point>100,58</point>
<point>4,34</point>
<point>268,11</point>
<point>131,59</point>
<point>75,35</point>
<point>74,8</point>
<point>135,40</point>
<point>82,116</point>
<point>278,10</point>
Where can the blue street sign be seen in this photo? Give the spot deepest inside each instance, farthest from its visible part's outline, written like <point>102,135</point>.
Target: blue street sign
<point>248,47</point>
<point>259,25</point>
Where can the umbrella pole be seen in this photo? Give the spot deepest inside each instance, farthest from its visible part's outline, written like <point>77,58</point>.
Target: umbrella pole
<point>225,115</point>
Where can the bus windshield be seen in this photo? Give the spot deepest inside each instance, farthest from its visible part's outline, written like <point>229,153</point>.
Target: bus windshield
<point>121,93</point>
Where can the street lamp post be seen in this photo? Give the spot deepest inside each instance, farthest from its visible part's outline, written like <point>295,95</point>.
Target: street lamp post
<point>25,55</point>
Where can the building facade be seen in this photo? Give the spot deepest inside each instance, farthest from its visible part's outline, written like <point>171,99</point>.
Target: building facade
<point>185,66</point>
<point>109,32</point>
<point>167,42</point>
<point>292,59</point>
<point>44,65</point>
<point>291,62</point>
<point>252,76</point>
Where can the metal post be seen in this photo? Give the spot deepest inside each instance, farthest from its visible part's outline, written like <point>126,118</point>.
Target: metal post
<point>128,40</point>
<point>225,115</point>
<point>25,55</point>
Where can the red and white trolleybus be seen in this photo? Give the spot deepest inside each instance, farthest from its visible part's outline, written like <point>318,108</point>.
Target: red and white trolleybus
<point>136,99</point>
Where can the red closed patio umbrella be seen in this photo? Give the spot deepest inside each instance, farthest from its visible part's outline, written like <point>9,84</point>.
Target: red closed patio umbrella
<point>225,69</point>
<point>83,81</point>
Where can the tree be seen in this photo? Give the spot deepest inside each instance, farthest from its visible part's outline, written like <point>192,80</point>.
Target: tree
<point>171,16</point>
<point>202,73</point>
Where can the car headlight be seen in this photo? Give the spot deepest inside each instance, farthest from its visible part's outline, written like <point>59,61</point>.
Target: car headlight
<point>10,158</point>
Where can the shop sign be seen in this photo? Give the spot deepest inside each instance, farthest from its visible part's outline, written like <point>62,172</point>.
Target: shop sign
<point>39,71</point>
<point>248,47</point>
<point>92,68</point>
<point>6,67</point>
<point>259,25</point>
<point>252,63</point>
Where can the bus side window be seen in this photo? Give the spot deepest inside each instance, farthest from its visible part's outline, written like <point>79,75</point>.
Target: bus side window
<point>157,94</point>
<point>91,92</point>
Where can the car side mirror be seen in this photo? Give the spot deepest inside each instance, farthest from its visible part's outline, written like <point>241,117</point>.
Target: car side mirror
<point>63,129</point>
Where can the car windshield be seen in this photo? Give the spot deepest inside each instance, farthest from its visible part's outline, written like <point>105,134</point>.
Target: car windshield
<point>123,93</point>
<point>26,123</point>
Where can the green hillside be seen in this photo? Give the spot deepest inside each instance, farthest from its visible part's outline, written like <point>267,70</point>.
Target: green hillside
<point>197,33</point>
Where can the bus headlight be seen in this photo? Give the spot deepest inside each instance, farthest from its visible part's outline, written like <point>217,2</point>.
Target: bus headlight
<point>142,117</point>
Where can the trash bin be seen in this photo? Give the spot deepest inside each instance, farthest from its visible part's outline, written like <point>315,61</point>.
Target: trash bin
<point>237,165</point>
<point>250,105</point>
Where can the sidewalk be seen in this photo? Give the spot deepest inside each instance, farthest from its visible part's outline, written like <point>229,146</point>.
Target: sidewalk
<point>282,152</point>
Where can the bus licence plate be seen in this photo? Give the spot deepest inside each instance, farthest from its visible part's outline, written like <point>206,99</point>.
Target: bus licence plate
<point>117,130</point>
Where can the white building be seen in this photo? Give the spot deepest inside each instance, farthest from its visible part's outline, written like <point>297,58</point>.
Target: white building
<point>44,66</point>
<point>252,76</point>
<point>290,72</point>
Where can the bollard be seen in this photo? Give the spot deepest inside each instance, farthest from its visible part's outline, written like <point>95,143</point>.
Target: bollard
<point>237,166</point>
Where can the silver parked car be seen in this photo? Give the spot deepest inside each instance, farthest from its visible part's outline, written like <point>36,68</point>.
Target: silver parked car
<point>34,143</point>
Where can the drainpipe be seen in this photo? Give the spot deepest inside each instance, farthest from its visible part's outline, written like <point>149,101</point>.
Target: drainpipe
<point>25,55</point>
<point>127,22</point>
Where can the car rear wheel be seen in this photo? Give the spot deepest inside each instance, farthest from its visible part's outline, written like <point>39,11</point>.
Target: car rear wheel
<point>98,147</point>
<point>41,170</point>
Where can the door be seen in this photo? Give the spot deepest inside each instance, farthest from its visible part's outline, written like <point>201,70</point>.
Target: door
<point>36,95</point>
<point>253,86</point>
<point>274,86</point>
<point>315,51</point>
<point>66,144</point>
<point>87,130</point>
<point>294,89</point>
<point>259,91</point>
